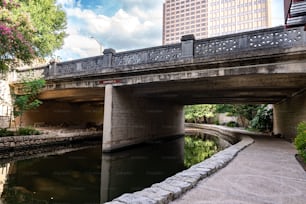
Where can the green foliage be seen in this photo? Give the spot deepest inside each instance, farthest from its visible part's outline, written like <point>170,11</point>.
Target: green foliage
<point>232,124</point>
<point>21,131</point>
<point>27,131</point>
<point>241,110</point>
<point>4,132</point>
<point>196,150</point>
<point>28,100</point>
<point>16,35</point>
<point>49,21</point>
<point>199,113</point>
<point>263,120</point>
<point>29,29</point>
<point>300,140</point>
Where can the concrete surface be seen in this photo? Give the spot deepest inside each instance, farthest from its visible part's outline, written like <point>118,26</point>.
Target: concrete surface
<point>288,114</point>
<point>130,120</point>
<point>264,173</point>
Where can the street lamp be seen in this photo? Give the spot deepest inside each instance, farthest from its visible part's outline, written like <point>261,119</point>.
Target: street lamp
<point>101,47</point>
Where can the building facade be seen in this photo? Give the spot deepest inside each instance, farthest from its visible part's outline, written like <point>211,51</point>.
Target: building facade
<point>295,13</point>
<point>208,18</point>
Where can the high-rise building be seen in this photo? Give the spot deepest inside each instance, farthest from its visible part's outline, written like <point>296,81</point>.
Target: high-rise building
<point>295,12</point>
<point>208,18</point>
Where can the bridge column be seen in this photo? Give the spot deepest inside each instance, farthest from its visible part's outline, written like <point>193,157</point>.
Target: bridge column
<point>288,114</point>
<point>130,120</point>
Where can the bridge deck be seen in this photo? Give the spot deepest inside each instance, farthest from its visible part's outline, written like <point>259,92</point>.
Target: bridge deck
<point>265,172</point>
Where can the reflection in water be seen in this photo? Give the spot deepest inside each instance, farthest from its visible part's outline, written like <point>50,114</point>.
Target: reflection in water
<point>4,170</point>
<point>70,178</point>
<point>197,150</point>
<point>86,177</point>
<point>133,170</point>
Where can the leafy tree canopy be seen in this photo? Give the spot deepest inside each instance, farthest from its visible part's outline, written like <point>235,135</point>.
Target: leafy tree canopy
<point>241,110</point>
<point>196,113</point>
<point>29,29</point>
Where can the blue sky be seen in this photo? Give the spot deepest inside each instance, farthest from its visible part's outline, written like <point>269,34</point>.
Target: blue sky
<point>118,24</point>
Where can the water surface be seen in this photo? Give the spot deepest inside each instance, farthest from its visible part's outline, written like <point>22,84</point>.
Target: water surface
<point>88,176</point>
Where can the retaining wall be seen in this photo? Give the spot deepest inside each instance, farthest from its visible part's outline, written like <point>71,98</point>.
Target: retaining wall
<point>21,142</point>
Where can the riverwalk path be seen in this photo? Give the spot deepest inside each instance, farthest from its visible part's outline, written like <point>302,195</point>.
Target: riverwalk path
<point>266,172</point>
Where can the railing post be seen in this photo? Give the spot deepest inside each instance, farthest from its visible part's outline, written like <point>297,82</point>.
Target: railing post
<point>187,46</point>
<point>52,69</point>
<point>107,57</point>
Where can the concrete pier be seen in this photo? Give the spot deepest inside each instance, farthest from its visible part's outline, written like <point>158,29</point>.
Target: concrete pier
<point>129,120</point>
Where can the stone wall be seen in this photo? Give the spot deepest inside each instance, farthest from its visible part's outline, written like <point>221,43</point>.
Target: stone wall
<point>288,114</point>
<point>21,142</point>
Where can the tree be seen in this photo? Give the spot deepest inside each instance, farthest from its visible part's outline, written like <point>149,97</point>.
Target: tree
<point>49,21</point>
<point>29,29</point>
<point>242,111</point>
<point>16,34</point>
<point>263,120</point>
<point>199,113</point>
<point>28,99</point>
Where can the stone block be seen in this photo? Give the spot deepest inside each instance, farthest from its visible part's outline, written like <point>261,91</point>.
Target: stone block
<point>157,194</point>
<point>135,199</point>
<point>184,186</point>
<point>175,192</point>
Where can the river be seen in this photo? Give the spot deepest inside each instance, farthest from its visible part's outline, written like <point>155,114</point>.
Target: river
<point>88,175</point>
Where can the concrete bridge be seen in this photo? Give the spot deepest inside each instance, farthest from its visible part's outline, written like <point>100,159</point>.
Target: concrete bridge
<point>139,95</point>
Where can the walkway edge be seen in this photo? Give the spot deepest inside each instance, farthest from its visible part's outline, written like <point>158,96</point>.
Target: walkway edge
<point>175,186</point>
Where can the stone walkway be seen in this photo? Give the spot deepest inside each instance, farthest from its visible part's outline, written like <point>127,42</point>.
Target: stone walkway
<point>264,173</point>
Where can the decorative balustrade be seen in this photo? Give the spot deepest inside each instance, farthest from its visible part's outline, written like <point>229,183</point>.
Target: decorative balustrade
<point>264,39</point>
<point>252,41</point>
<point>151,55</point>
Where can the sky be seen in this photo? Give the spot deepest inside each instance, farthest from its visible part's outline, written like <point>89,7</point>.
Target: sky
<point>118,24</point>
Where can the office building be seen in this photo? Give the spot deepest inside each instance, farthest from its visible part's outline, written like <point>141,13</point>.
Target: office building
<point>208,18</point>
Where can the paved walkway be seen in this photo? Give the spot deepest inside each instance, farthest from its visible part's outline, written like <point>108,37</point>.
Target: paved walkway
<point>264,173</point>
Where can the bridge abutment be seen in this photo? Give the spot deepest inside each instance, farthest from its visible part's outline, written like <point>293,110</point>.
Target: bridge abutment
<point>288,114</point>
<point>130,120</point>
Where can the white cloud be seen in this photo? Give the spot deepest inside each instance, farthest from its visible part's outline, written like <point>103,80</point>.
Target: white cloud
<point>131,27</point>
<point>66,2</point>
<point>137,24</point>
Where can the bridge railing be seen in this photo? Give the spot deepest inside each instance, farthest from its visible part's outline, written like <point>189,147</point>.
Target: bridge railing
<point>210,48</point>
<point>250,41</point>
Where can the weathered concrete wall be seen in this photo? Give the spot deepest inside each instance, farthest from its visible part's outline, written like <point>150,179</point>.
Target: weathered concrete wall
<point>288,114</point>
<point>130,120</point>
<point>56,113</point>
<point>5,103</point>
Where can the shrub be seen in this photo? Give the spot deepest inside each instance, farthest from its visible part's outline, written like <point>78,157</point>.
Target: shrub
<point>232,124</point>
<point>263,120</point>
<point>300,140</point>
<point>27,131</point>
<point>4,132</point>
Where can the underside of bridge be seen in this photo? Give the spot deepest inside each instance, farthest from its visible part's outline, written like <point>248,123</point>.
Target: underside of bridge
<point>259,89</point>
<point>70,107</point>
